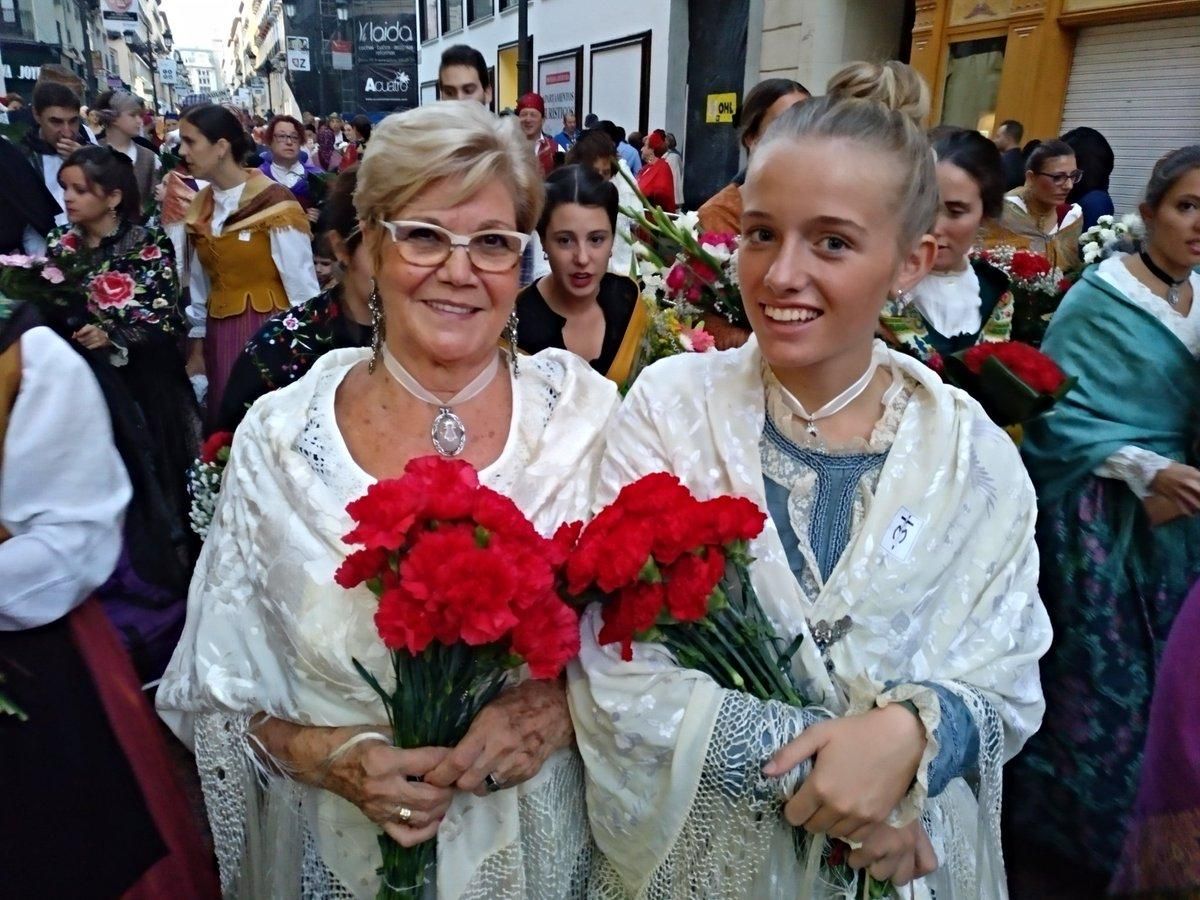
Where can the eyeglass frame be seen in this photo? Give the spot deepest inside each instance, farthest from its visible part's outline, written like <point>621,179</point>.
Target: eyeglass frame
<point>456,240</point>
<point>286,136</point>
<point>1059,178</point>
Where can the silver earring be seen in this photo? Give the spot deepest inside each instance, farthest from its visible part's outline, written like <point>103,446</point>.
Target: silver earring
<point>378,326</point>
<point>510,335</point>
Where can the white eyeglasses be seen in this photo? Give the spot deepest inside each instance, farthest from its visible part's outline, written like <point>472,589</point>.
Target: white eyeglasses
<point>424,244</point>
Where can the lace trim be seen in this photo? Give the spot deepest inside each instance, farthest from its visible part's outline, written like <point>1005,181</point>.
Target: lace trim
<point>1186,329</point>
<point>1136,467</point>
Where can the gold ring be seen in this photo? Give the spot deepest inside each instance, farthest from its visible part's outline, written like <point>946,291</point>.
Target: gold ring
<point>403,813</point>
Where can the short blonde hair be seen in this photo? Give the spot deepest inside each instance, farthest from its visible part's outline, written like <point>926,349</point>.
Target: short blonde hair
<point>454,140</point>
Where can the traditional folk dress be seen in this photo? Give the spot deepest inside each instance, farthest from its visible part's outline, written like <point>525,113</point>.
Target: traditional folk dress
<point>907,563</point>
<point>1017,228</point>
<point>90,804</point>
<point>624,325</point>
<point>285,348</point>
<point>252,256</point>
<point>658,184</point>
<point>144,598</point>
<point>269,631</point>
<point>1112,583</point>
<point>950,312</point>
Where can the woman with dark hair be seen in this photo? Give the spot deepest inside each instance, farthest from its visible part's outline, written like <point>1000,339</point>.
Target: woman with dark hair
<point>251,247</point>
<point>291,341</point>
<point>961,302</point>
<point>764,103</point>
<point>1118,480</point>
<point>359,133</point>
<point>285,137</point>
<point>581,306</point>
<point>1094,155</point>
<point>595,150</point>
<point>1038,215</point>
<point>134,329</point>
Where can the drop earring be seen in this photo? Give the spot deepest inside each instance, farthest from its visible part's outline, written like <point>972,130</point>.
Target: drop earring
<point>510,335</point>
<point>378,327</point>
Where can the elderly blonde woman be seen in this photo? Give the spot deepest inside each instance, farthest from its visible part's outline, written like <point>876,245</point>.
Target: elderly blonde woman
<point>262,684</point>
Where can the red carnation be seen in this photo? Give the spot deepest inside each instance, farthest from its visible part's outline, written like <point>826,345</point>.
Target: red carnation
<point>635,609</point>
<point>360,566</point>
<point>727,519</point>
<point>691,582</point>
<point>446,487</point>
<point>386,514</point>
<point>211,450</point>
<point>1028,265</point>
<point>400,622</point>
<point>1030,365</point>
<point>548,638</point>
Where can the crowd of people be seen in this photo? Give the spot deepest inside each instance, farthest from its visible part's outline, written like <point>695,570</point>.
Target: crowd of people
<point>1001,696</point>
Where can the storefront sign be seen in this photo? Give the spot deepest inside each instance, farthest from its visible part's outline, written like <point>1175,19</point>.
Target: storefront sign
<point>167,73</point>
<point>297,55</point>
<point>22,64</point>
<point>386,50</point>
<point>121,15</point>
<point>558,83</point>
<point>720,109</point>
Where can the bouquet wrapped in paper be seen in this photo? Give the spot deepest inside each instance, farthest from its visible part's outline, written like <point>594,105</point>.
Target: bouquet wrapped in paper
<point>1037,288</point>
<point>672,569</point>
<point>1014,382</point>
<point>467,594</point>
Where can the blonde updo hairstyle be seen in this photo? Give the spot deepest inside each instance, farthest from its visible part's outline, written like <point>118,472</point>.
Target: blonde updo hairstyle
<point>455,141</point>
<point>880,107</point>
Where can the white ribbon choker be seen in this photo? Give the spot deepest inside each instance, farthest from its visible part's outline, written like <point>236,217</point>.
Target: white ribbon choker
<point>448,433</point>
<point>834,406</point>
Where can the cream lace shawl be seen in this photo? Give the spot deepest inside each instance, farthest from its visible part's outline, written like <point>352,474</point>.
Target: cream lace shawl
<point>675,795</point>
<point>267,630</point>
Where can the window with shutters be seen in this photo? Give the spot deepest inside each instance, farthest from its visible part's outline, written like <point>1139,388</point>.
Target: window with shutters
<point>452,16</point>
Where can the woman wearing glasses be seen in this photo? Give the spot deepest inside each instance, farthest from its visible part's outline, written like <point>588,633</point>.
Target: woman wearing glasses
<point>250,250</point>
<point>285,136</point>
<point>1037,215</point>
<point>1117,470</point>
<point>447,198</point>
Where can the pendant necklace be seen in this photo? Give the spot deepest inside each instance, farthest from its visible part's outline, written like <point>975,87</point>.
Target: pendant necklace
<point>448,433</point>
<point>834,406</point>
<point>1172,285</point>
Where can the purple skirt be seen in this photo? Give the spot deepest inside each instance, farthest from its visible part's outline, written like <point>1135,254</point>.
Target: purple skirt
<point>224,341</point>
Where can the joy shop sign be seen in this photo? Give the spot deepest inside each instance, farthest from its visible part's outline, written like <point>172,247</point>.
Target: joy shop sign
<point>386,50</point>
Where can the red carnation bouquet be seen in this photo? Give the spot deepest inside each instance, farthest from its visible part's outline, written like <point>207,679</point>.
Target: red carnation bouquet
<point>1013,381</point>
<point>673,569</point>
<point>467,593</point>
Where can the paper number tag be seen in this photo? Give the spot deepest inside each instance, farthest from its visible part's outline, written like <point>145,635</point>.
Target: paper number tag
<point>243,235</point>
<point>901,534</point>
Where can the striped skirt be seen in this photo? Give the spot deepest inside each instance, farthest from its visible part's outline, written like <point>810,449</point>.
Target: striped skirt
<point>224,341</point>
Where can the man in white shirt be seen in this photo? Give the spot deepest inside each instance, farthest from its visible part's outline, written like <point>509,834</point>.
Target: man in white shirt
<point>56,112</point>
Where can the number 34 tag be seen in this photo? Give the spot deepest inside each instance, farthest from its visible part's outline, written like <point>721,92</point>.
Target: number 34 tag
<point>901,534</point>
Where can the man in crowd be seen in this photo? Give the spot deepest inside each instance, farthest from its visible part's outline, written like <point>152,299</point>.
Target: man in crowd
<point>57,136</point>
<point>463,75</point>
<point>569,135</point>
<point>1007,139</point>
<point>531,112</point>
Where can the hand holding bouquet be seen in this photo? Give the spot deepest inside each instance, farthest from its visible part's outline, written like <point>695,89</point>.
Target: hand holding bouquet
<point>467,594</point>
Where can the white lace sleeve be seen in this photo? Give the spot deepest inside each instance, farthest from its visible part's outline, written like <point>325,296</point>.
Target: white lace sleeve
<point>1136,467</point>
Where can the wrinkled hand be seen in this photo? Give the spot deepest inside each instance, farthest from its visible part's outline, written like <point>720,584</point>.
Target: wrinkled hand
<point>380,780</point>
<point>898,855</point>
<point>313,214</point>
<point>863,767</point>
<point>510,739</point>
<point>91,337</point>
<point>1181,485</point>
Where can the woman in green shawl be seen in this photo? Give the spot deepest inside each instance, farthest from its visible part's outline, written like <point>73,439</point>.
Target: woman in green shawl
<point>1119,493</point>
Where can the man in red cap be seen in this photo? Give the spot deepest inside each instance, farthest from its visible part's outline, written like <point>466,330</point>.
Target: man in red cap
<point>531,112</point>
<point>655,179</point>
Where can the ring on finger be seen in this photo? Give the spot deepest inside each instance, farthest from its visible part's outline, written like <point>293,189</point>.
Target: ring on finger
<point>402,813</point>
<point>493,783</point>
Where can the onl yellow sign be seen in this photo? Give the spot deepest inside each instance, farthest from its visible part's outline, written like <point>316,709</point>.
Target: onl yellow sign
<point>721,108</point>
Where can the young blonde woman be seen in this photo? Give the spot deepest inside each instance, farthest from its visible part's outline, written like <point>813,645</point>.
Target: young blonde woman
<point>899,546</point>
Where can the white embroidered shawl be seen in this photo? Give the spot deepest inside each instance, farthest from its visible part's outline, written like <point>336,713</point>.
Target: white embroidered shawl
<point>268,630</point>
<point>666,751</point>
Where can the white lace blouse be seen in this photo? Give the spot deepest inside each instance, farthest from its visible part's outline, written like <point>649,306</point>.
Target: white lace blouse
<point>949,301</point>
<point>1133,465</point>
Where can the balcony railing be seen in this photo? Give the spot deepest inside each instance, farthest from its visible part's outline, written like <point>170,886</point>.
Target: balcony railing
<point>17,21</point>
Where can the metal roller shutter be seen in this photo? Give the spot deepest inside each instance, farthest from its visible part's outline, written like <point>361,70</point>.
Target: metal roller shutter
<point>1138,85</point>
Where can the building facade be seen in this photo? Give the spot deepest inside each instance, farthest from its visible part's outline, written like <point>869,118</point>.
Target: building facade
<point>1128,68</point>
<point>202,74</point>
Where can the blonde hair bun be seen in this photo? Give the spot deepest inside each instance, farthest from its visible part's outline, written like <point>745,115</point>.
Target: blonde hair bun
<point>894,84</point>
